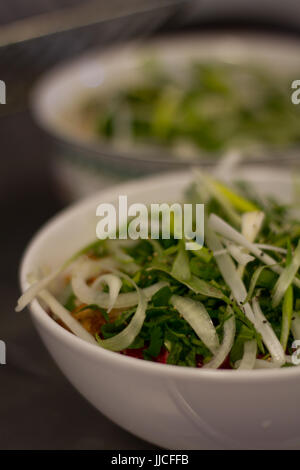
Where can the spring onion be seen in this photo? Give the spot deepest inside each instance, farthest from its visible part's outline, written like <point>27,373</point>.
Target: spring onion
<point>286,277</point>
<point>287,313</point>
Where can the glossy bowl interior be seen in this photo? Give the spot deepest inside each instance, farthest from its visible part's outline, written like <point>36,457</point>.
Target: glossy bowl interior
<point>173,407</point>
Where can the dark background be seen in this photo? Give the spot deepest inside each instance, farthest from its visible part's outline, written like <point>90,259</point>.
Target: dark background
<point>38,408</point>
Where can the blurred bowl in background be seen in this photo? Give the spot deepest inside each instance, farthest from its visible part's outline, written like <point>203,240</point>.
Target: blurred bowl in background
<point>86,162</point>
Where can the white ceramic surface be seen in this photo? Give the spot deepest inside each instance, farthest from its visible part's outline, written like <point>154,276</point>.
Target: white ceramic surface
<point>82,157</point>
<point>100,72</point>
<point>173,407</point>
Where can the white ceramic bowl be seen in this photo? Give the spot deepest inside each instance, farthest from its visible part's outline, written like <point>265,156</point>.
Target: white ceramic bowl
<point>173,407</point>
<point>81,157</point>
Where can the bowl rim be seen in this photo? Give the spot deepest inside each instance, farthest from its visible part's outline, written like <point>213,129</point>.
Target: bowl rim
<point>107,151</point>
<point>96,352</point>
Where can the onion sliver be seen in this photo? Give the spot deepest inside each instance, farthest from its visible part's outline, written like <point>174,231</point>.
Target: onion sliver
<point>224,229</point>
<point>286,277</point>
<point>276,249</point>
<point>35,289</point>
<point>239,292</point>
<point>251,224</point>
<point>254,279</point>
<point>39,285</point>
<point>88,295</point>
<point>249,356</point>
<point>238,254</point>
<point>268,335</point>
<point>225,348</point>
<point>65,316</point>
<point>125,338</point>
<point>114,284</point>
<point>197,317</point>
<point>229,273</point>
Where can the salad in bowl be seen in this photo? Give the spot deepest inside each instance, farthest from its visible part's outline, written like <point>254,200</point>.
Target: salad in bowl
<point>211,330</point>
<point>233,303</point>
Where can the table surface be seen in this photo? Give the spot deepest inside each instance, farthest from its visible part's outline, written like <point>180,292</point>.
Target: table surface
<point>39,409</point>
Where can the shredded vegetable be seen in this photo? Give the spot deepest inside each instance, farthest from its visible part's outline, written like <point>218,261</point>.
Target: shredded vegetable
<point>196,315</point>
<point>286,277</point>
<point>268,335</point>
<point>228,339</point>
<point>125,338</point>
<point>65,316</point>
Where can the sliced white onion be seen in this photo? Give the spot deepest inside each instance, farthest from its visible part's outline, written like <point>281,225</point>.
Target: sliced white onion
<point>276,249</point>
<point>39,285</point>
<point>197,317</point>
<point>220,252</point>
<point>286,277</point>
<point>249,356</point>
<point>251,224</point>
<point>229,273</point>
<point>88,295</point>
<point>254,279</point>
<point>225,348</point>
<point>125,338</point>
<point>35,289</point>
<point>239,292</point>
<point>224,229</point>
<point>238,254</point>
<point>268,335</point>
<point>65,316</point>
<point>114,284</point>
